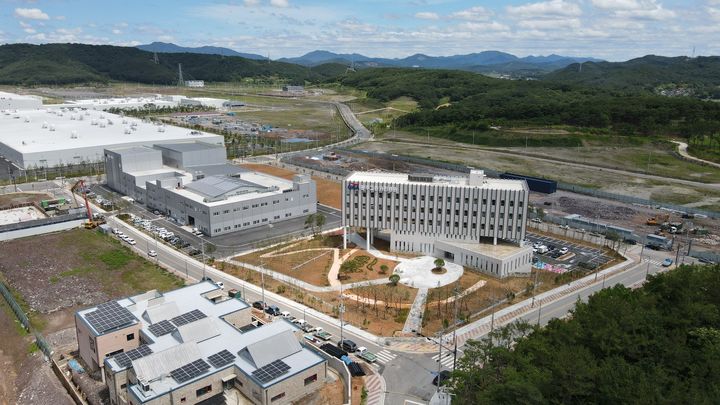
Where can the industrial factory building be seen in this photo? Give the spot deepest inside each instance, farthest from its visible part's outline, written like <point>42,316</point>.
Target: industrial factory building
<point>473,221</point>
<point>192,183</point>
<point>193,345</point>
<point>52,137</point>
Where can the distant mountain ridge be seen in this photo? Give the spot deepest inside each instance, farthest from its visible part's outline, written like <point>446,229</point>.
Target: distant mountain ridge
<point>481,61</point>
<point>165,47</point>
<point>679,75</point>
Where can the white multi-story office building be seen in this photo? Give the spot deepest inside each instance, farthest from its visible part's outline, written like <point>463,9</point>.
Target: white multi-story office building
<point>473,221</point>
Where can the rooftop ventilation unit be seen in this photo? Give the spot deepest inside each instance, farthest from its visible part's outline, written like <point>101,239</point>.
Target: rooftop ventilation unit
<point>73,135</point>
<point>52,128</point>
<point>127,131</point>
<point>44,125</point>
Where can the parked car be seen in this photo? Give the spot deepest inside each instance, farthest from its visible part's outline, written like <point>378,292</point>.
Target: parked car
<point>366,355</point>
<point>131,241</point>
<point>272,310</point>
<point>152,253</point>
<point>564,250</point>
<point>285,314</point>
<point>667,262</point>
<point>258,305</point>
<point>542,249</point>
<point>348,345</point>
<point>220,284</point>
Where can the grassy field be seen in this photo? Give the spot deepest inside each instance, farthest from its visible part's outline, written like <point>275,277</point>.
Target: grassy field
<point>55,274</point>
<point>369,111</point>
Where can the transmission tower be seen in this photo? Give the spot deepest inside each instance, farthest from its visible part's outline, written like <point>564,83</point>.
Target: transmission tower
<point>181,82</point>
<point>155,58</point>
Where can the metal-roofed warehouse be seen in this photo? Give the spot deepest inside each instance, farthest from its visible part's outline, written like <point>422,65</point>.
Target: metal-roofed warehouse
<point>192,183</point>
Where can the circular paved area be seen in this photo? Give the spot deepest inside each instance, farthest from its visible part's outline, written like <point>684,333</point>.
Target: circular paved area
<point>418,273</point>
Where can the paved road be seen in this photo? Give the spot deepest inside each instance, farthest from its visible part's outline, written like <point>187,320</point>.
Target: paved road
<point>235,242</point>
<point>682,150</point>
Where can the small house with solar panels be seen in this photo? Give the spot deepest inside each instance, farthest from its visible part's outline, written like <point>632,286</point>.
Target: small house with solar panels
<point>191,344</point>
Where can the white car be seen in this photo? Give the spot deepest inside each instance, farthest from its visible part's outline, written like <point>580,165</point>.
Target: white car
<point>152,253</point>
<point>131,241</point>
<point>220,284</point>
<point>564,250</point>
<point>285,314</point>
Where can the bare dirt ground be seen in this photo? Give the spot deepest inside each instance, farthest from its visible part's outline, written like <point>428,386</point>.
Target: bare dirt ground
<point>14,199</point>
<point>26,377</point>
<point>328,192</point>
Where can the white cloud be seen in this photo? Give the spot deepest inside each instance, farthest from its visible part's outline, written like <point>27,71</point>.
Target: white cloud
<point>24,24</point>
<point>561,23</point>
<point>484,26</point>
<point>635,9</point>
<point>251,3</point>
<point>116,31</point>
<point>552,8</point>
<point>60,17</point>
<point>31,14</point>
<point>478,13</point>
<point>280,3</point>
<point>29,30</point>
<point>166,38</point>
<point>616,4</point>
<point>426,15</point>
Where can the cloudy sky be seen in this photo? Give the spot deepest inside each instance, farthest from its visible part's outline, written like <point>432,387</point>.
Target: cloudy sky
<point>610,29</point>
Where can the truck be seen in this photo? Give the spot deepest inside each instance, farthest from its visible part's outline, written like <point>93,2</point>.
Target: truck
<point>366,355</point>
<point>322,335</point>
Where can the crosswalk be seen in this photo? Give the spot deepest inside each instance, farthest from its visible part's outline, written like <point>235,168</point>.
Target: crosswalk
<point>374,385</point>
<point>447,359</point>
<point>385,356</point>
<point>654,262</point>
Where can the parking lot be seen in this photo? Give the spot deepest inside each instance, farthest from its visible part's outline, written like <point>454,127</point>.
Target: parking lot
<point>576,253</point>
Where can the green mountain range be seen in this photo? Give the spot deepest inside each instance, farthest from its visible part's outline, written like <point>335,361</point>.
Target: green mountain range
<point>78,63</point>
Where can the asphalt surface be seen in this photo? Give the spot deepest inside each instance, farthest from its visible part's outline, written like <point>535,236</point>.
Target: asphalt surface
<point>581,253</point>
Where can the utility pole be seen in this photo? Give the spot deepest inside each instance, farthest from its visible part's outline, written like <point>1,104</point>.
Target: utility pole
<point>532,305</point>
<point>439,361</point>
<point>455,291</point>
<point>539,311</point>
<point>341,310</point>
<point>202,248</point>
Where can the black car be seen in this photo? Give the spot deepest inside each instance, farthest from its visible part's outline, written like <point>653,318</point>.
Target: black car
<point>441,378</point>
<point>259,305</point>
<point>348,345</point>
<point>272,310</point>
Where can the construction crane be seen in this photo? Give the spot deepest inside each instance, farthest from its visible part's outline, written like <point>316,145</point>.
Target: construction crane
<point>92,222</point>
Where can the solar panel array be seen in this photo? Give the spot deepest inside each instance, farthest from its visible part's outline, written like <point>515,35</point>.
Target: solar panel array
<point>161,328</point>
<point>188,317</point>
<point>221,358</point>
<point>124,360</point>
<point>271,371</point>
<point>190,371</point>
<point>109,316</point>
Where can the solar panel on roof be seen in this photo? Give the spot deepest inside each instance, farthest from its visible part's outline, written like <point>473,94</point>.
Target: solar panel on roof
<point>271,371</point>
<point>188,317</point>
<point>124,360</point>
<point>109,316</point>
<point>161,328</point>
<point>190,371</point>
<point>221,358</point>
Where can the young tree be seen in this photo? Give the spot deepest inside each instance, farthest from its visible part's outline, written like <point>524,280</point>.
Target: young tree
<point>394,278</point>
<point>310,223</point>
<point>439,263</point>
<point>383,268</point>
<point>319,221</point>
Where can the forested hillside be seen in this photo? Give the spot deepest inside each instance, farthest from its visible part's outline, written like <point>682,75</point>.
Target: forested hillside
<point>458,100</point>
<point>659,344</point>
<point>698,77</point>
<point>76,63</point>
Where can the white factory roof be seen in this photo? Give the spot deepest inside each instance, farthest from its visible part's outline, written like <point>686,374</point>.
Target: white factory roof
<point>256,185</point>
<point>47,130</point>
<point>13,96</point>
<point>205,337</point>
<point>392,178</point>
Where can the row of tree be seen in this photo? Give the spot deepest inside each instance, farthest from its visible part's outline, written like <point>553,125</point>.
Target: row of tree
<point>659,344</point>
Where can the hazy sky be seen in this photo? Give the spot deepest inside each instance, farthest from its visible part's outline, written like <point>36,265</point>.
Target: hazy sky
<point>610,29</point>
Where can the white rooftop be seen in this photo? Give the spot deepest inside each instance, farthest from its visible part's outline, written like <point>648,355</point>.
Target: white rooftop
<point>456,181</point>
<point>204,337</point>
<point>275,185</point>
<point>47,130</point>
<point>13,96</point>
